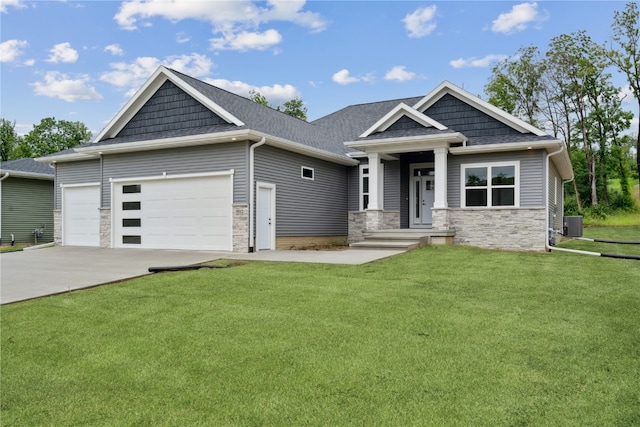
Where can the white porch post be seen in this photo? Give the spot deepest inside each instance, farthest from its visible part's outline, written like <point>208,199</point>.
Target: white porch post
<point>374,184</point>
<point>440,196</point>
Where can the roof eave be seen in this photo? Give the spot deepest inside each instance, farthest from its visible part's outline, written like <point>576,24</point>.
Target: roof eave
<point>29,175</point>
<point>407,144</point>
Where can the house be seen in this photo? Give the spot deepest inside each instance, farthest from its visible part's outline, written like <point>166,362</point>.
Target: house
<point>26,194</point>
<point>187,165</point>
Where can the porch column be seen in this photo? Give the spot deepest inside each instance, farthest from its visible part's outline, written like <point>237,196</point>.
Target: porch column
<point>374,184</point>
<point>440,193</point>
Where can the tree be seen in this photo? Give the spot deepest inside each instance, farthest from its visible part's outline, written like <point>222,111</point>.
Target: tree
<point>626,34</point>
<point>8,138</point>
<point>51,136</point>
<point>516,84</point>
<point>294,107</point>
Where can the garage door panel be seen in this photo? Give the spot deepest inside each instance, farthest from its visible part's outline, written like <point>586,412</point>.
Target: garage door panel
<point>182,213</point>
<point>81,216</point>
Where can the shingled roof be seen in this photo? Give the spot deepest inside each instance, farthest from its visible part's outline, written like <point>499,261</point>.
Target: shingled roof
<point>27,168</point>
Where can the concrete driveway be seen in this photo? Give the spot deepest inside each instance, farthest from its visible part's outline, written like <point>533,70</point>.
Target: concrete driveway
<point>34,273</point>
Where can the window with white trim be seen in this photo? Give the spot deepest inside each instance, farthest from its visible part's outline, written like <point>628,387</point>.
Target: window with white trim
<point>364,187</point>
<point>306,173</point>
<point>490,184</point>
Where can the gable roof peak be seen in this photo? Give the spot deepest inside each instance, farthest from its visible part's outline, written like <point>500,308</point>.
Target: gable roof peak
<point>396,113</point>
<point>446,87</point>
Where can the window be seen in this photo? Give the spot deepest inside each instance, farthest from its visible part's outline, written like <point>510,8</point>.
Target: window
<point>307,173</point>
<point>131,222</point>
<point>132,240</point>
<point>364,187</point>
<point>490,185</point>
<point>129,189</point>
<point>130,206</point>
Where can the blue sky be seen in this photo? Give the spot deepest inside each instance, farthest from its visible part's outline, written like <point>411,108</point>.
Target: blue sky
<point>82,60</point>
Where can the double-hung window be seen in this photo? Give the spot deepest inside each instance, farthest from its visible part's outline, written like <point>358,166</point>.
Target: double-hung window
<point>490,184</point>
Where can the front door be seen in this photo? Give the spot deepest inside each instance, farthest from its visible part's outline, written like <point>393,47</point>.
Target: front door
<point>422,197</point>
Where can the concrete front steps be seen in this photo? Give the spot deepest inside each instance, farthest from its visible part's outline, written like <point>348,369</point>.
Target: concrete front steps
<point>403,239</point>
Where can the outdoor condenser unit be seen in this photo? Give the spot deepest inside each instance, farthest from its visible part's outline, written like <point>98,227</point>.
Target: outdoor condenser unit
<point>572,226</point>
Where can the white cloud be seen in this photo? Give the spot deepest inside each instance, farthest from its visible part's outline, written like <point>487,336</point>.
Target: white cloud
<point>399,73</point>
<point>114,49</point>
<point>12,49</point>
<point>4,4</point>
<point>244,41</point>
<point>342,77</point>
<point>626,94</point>
<point>63,52</point>
<point>58,85</point>
<point>518,19</point>
<point>133,74</point>
<point>474,62</point>
<point>420,22</point>
<point>235,22</point>
<point>182,37</point>
<point>274,94</point>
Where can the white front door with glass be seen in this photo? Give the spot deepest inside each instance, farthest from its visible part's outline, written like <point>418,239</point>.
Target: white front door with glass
<point>422,196</point>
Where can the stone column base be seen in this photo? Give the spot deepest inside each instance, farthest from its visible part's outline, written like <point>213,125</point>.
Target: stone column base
<point>57,227</point>
<point>374,219</point>
<point>105,227</point>
<point>440,219</point>
<point>240,228</point>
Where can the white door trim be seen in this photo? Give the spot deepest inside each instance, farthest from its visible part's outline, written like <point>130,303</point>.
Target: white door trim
<point>272,215</point>
<point>412,195</point>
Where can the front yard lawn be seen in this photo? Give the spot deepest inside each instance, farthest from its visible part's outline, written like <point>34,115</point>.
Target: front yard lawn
<point>439,336</point>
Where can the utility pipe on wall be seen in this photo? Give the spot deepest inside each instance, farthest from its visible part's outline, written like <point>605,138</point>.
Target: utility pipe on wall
<point>252,191</point>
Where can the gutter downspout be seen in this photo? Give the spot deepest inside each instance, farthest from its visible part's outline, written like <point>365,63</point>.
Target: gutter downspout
<point>252,191</point>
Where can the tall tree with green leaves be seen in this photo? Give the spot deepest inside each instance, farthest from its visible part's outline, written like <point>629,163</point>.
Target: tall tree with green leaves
<point>515,84</point>
<point>626,35</point>
<point>8,138</point>
<point>51,136</point>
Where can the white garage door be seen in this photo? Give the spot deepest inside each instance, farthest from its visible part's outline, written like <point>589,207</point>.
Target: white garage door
<point>81,215</point>
<point>174,213</point>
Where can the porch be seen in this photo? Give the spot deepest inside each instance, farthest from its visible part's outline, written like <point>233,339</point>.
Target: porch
<point>404,239</point>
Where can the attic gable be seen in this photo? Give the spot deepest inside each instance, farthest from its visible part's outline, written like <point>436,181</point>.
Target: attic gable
<point>448,88</point>
<point>401,116</point>
<point>147,111</point>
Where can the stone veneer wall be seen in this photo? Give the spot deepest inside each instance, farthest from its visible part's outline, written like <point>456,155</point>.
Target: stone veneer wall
<point>105,227</point>
<point>357,226</point>
<point>522,229</point>
<point>57,227</point>
<point>240,228</point>
<point>391,220</point>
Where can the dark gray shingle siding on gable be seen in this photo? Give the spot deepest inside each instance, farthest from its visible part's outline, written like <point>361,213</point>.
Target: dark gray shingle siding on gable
<point>461,117</point>
<point>304,207</point>
<point>170,109</point>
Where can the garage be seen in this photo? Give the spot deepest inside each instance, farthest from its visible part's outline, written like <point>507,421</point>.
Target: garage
<point>191,212</point>
<point>81,215</point>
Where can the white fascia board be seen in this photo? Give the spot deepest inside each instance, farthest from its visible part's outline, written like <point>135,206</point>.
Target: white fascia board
<point>164,143</point>
<point>296,147</point>
<point>69,157</point>
<point>493,111</point>
<point>396,113</point>
<point>30,175</point>
<point>407,144</point>
<point>148,89</point>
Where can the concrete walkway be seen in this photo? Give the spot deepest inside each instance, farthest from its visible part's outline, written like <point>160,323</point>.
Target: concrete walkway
<point>30,274</point>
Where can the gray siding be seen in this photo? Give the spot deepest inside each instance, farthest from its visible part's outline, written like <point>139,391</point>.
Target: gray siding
<point>461,117</point>
<point>26,204</point>
<point>392,186</point>
<point>304,207</point>
<point>170,109</point>
<point>201,159</point>
<point>354,188</point>
<point>75,173</point>
<point>532,188</point>
<point>555,198</point>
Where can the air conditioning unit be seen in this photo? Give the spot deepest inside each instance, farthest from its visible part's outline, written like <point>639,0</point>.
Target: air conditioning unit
<point>572,226</point>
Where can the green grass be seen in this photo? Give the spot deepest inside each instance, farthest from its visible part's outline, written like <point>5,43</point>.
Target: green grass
<point>15,248</point>
<point>619,233</point>
<point>439,336</point>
